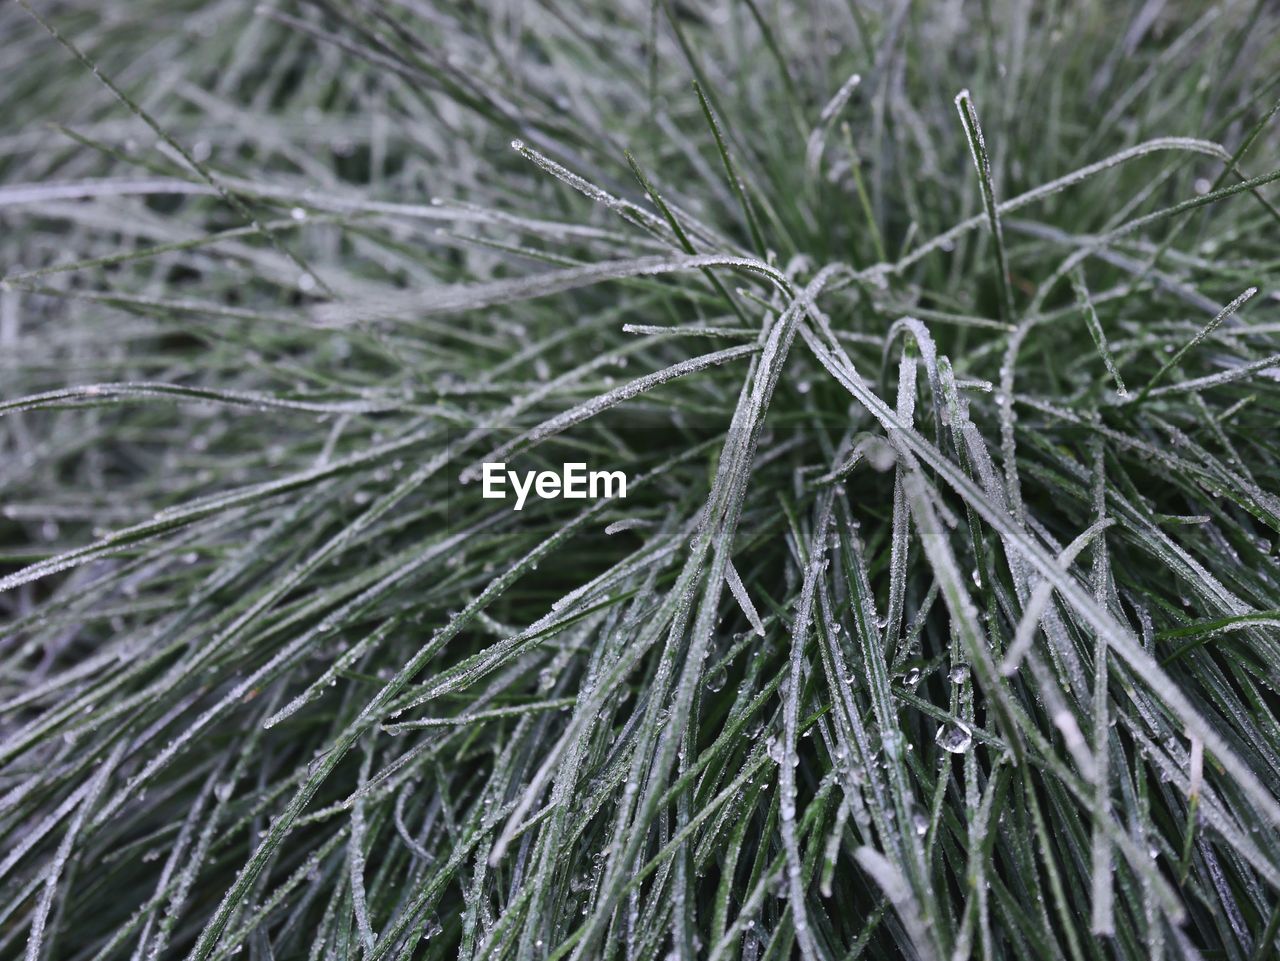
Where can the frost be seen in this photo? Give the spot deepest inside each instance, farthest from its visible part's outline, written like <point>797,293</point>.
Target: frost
<point>739,591</point>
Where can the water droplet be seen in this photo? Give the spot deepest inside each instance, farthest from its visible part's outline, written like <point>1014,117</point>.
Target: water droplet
<point>958,674</point>
<point>880,455</point>
<point>774,750</point>
<point>956,738</point>
<point>716,679</point>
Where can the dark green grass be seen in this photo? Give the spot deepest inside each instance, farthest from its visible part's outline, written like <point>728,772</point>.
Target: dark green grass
<point>941,618</point>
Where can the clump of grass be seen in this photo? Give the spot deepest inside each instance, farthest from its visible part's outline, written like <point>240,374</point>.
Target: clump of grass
<point>940,618</point>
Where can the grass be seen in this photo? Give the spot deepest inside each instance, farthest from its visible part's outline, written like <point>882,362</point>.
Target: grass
<point>939,342</point>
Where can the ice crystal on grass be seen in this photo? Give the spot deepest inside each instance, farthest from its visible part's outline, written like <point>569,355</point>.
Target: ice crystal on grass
<point>938,621</point>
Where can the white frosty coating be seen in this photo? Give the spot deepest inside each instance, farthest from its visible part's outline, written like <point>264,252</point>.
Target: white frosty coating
<point>1119,636</point>
<point>862,449</point>
<point>101,393</point>
<point>818,138</point>
<point>1102,917</point>
<point>177,855</point>
<point>1033,610</point>
<point>283,656</point>
<point>955,412</point>
<point>948,237</point>
<point>589,705</point>
<point>517,710</point>
<point>327,200</point>
<point>954,590</point>
<point>33,836</point>
<point>832,849</point>
<point>1137,856</point>
<point>1269,365</point>
<point>1200,335</point>
<point>483,663</point>
<point>356,861</point>
<point>187,864</point>
<point>922,398</point>
<point>902,840</point>
<point>899,549</point>
<point>655,550</point>
<point>1159,542</point>
<point>746,917</point>
<point>1123,104</point>
<point>739,591</point>
<point>40,917</point>
<point>928,355</point>
<point>572,746</point>
<point>790,723</point>
<point>853,738</point>
<point>16,195</point>
<point>895,888</point>
<point>623,208</point>
<point>627,524</point>
<point>979,825</point>
<point>1095,246</point>
<point>981,161</point>
<point>602,402</point>
<point>168,518</point>
<point>453,298</point>
<point>836,103</point>
<point>687,330</point>
<point>728,489</point>
<point>321,684</point>
<point>1095,331</point>
<point>1196,778</point>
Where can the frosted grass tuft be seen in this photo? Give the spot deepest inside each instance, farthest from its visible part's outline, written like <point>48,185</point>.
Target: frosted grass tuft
<point>277,686</point>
